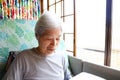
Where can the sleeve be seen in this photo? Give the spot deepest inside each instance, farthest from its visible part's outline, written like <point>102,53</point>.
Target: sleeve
<point>15,71</point>
<point>67,73</point>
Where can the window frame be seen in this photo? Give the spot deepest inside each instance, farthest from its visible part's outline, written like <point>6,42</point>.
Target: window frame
<point>107,55</point>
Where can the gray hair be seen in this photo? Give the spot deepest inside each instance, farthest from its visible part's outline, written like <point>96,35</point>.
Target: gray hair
<point>46,21</point>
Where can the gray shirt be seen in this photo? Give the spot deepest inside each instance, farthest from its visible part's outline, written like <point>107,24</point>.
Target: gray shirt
<point>28,65</point>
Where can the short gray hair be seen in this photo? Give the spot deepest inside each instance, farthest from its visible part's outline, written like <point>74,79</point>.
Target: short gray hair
<point>46,21</point>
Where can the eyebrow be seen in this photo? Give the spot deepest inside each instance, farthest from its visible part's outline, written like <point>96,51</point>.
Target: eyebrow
<point>52,35</point>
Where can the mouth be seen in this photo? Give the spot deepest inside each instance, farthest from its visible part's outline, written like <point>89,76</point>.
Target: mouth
<point>51,49</point>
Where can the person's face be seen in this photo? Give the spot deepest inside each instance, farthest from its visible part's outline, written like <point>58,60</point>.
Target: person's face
<point>49,40</point>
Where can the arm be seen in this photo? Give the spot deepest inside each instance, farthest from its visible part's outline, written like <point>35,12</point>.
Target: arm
<point>67,73</point>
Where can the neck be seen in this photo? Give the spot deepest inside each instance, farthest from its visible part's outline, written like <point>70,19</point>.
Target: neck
<point>39,52</point>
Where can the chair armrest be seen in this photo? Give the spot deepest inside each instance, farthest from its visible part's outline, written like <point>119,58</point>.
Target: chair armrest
<point>76,65</point>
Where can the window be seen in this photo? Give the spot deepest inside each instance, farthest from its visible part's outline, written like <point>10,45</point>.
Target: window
<point>61,8</point>
<point>88,33</point>
<point>115,53</point>
<point>69,25</point>
<point>45,5</point>
<point>91,30</point>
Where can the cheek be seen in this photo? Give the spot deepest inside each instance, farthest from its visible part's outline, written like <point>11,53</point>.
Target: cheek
<point>57,43</point>
<point>44,45</point>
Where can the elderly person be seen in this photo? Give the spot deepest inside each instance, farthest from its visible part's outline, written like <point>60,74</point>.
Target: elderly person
<point>44,62</point>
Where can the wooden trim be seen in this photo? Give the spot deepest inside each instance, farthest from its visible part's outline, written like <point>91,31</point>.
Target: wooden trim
<point>54,3</point>
<point>55,6</point>
<point>41,4</point>
<point>67,15</point>
<point>65,34</point>
<point>69,51</point>
<point>48,5</point>
<point>108,33</point>
<point>74,2</point>
<point>63,10</point>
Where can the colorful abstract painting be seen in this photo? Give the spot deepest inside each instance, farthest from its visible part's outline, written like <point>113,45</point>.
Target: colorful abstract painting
<point>20,9</point>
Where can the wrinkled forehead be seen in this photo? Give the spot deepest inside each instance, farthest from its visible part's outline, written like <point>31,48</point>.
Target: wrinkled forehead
<point>52,32</point>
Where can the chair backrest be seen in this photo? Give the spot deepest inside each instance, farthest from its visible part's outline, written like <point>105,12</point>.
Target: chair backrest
<point>11,56</point>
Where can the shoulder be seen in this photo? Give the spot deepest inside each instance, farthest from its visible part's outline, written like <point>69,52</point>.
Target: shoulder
<point>24,53</point>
